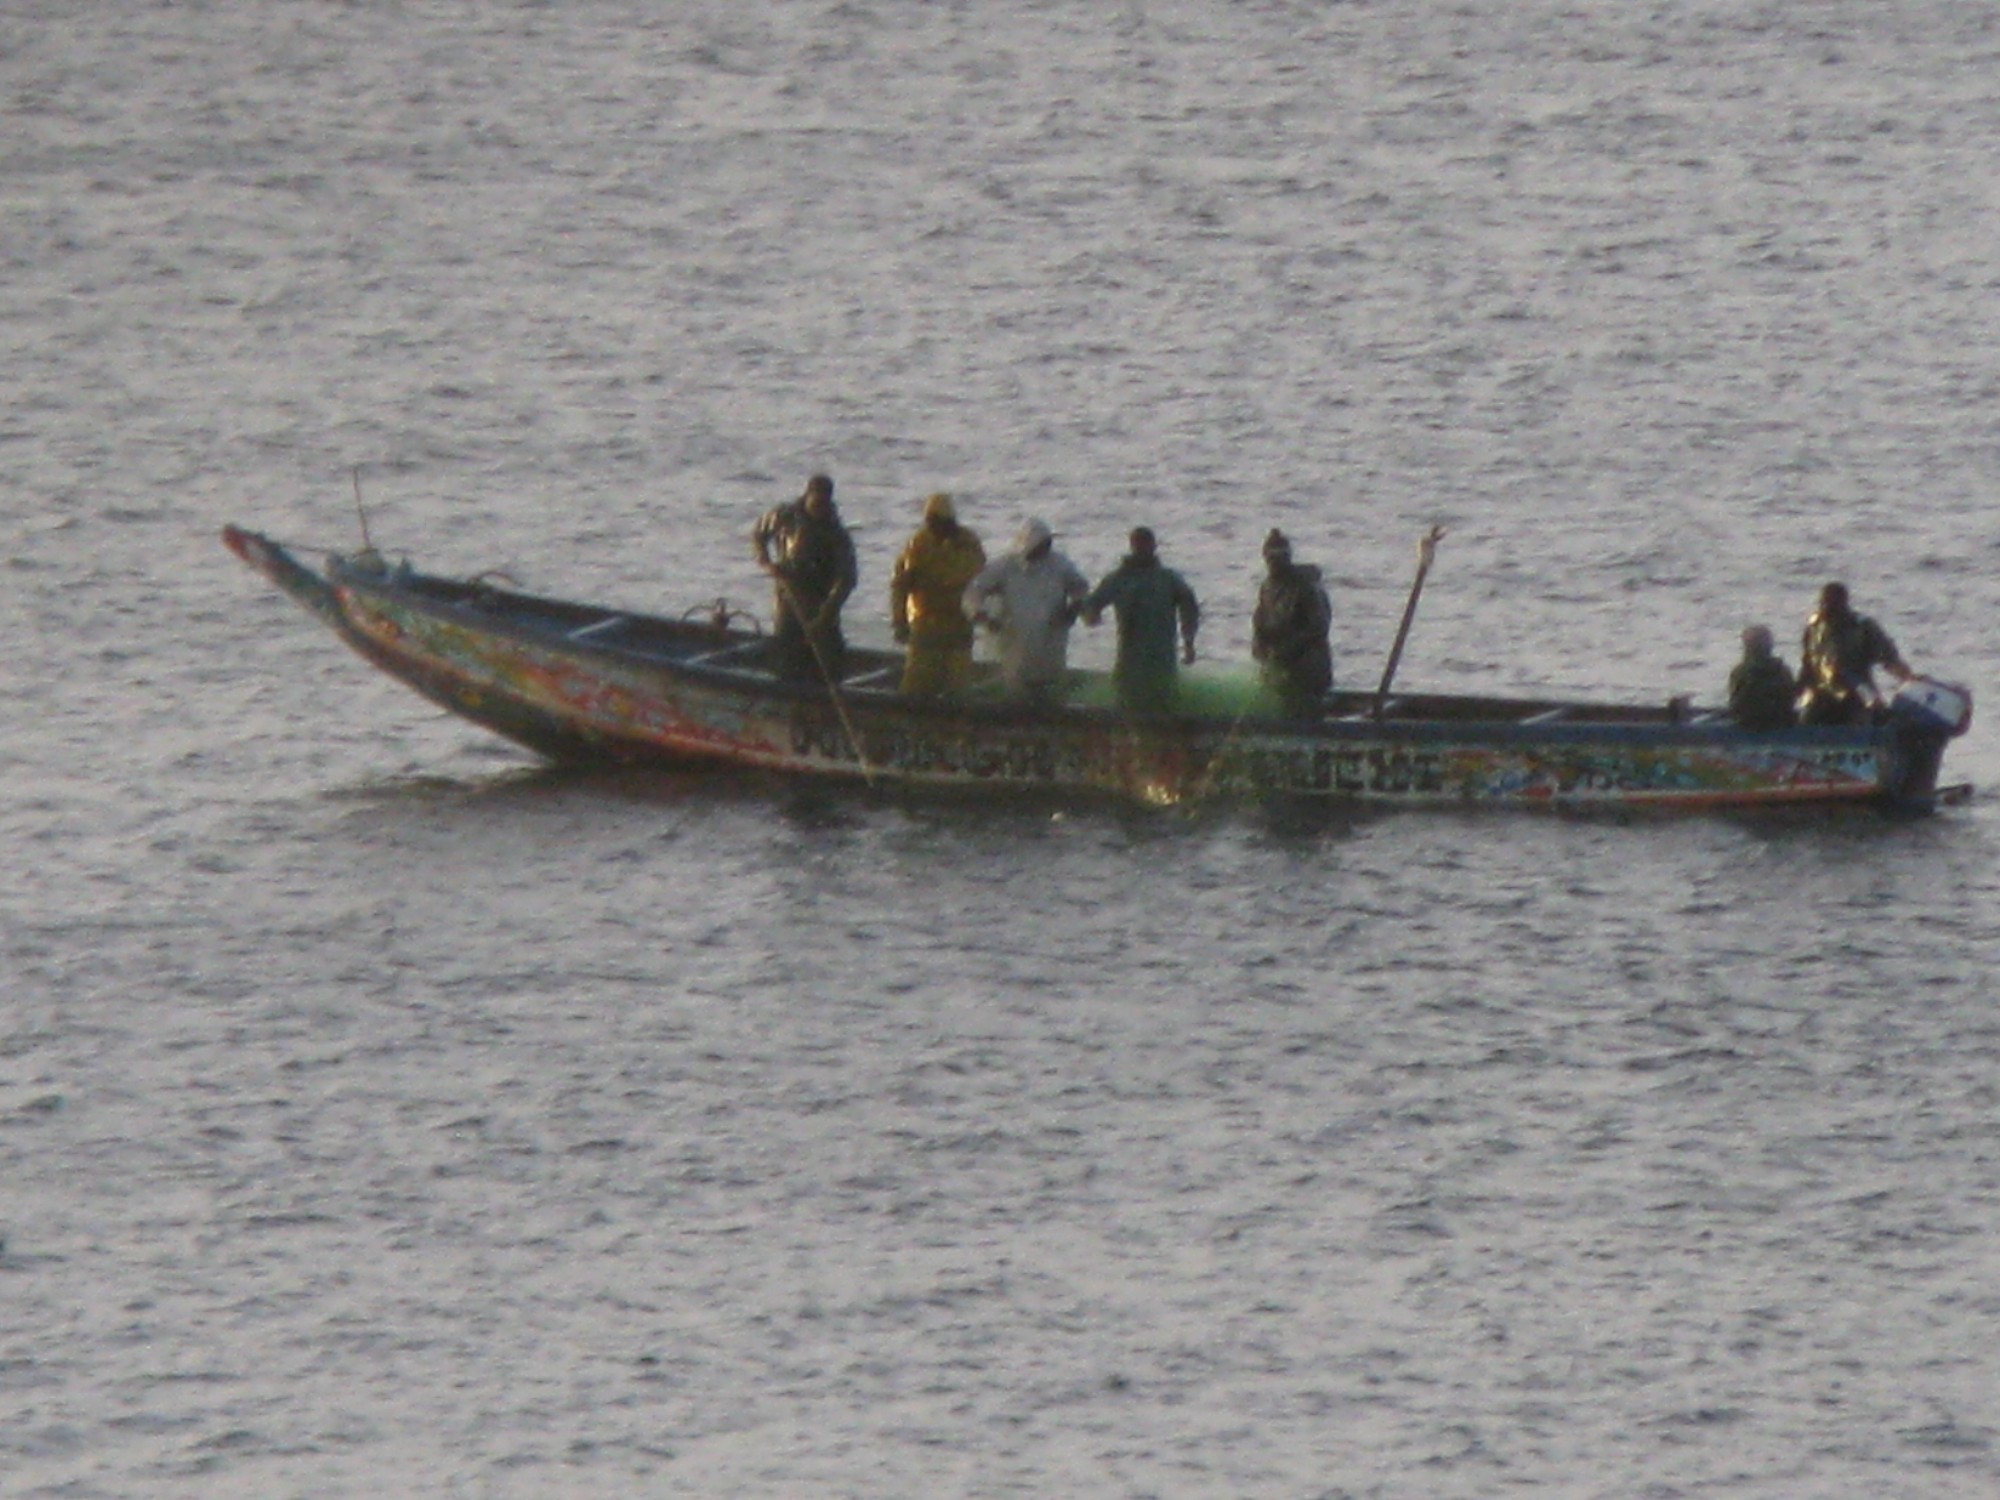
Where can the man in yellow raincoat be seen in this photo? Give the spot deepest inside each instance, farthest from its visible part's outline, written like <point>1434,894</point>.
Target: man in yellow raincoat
<point>926,601</point>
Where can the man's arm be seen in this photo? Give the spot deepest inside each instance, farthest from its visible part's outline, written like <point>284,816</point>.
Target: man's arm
<point>1884,651</point>
<point>899,598</point>
<point>1097,600</point>
<point>849,575</point>
<point>1189,609</point>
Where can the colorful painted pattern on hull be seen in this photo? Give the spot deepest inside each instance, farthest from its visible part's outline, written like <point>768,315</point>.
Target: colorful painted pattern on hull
<point>573,697</point>
<point>625,713</point>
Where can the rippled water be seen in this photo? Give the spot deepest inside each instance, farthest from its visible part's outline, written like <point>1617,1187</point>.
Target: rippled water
<point>380,1113</point>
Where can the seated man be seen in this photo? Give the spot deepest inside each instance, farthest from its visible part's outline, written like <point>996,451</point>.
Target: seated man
<point>1837,659</point>
<point>1761,689</point>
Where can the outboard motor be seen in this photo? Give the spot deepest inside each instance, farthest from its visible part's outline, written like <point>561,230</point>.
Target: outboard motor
<point>1922,716</point>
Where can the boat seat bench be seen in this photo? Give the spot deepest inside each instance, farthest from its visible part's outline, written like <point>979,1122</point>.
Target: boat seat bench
<point>723,653</point>
<point>877,677</point>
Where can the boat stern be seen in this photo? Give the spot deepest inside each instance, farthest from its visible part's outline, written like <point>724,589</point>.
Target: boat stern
<point>1924,716</point>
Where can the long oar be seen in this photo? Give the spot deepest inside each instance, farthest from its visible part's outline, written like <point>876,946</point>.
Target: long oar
<point>1426,550</point>
<point>826,674</point>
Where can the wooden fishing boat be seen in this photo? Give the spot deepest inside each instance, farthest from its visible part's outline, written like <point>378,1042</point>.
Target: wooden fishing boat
<point>581,683</point>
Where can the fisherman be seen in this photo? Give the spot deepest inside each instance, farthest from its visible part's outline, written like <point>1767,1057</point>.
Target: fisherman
<point>1837,659</point>
<point>1289,630</point>
<point>927,601</point>
<point>810,557</point>
<point>1762,691</point>
<point>1148,597</point>
<point>1028,599</point>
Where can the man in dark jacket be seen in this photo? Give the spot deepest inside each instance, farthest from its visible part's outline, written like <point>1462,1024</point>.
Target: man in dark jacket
<point>1148,598</point>
<point>1762,693</point>
<point>1289,629</point>
<point>810,558</point>
<point>1837,661</point>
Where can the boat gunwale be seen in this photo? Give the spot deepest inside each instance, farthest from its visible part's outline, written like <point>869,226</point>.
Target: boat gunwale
<point>1492,720</point>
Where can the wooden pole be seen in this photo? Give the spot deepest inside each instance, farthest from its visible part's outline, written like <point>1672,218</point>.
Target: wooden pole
<point>797,608</point>
<point>1426,550</point>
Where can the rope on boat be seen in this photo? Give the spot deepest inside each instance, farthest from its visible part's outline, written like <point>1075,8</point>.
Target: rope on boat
<point>1204,788</point>
<point>721,615</point>
<point>484,579</point>
<point>320,547</point>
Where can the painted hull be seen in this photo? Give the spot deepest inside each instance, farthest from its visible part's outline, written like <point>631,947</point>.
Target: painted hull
<point>586,684</point>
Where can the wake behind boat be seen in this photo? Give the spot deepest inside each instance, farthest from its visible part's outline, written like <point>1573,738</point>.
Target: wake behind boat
<point>587,684</point>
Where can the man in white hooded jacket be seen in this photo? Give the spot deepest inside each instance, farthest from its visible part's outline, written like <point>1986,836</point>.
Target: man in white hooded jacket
<point>1028,599</point>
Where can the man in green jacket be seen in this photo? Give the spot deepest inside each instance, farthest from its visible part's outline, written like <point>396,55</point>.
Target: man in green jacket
<point>1761,687</point>
<point>1148,598</point>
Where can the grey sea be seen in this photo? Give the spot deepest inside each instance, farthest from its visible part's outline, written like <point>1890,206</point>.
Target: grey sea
<point>385,1114</point>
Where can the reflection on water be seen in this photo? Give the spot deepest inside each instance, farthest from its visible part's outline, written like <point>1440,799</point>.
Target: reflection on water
<point>381,1112</point>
